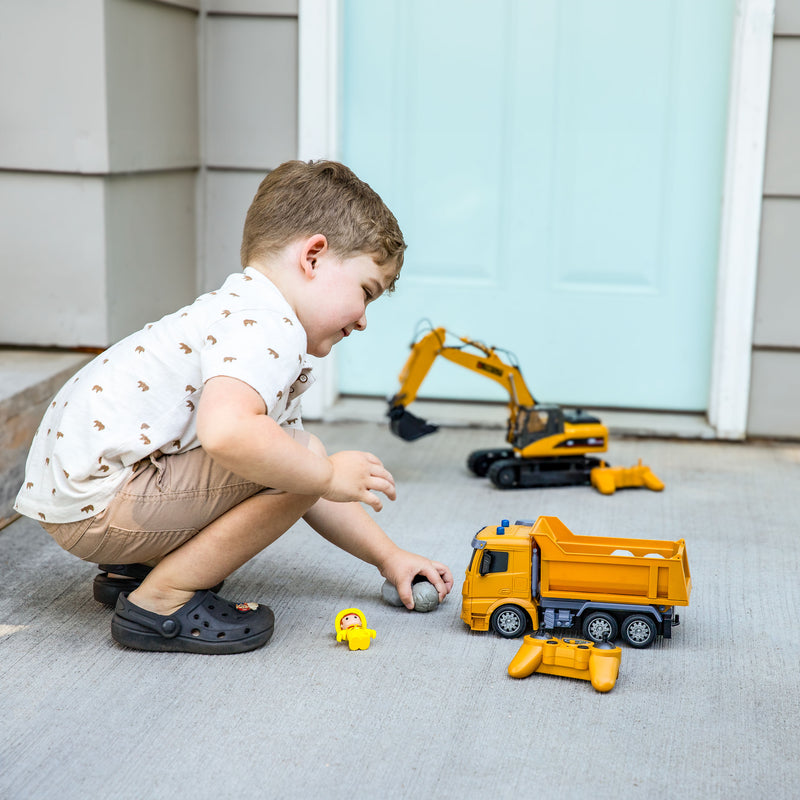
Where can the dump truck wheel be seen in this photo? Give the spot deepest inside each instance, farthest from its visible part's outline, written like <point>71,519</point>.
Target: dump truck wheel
<point>639,631</point>
<point>509,622</point>
<point>600,626</point>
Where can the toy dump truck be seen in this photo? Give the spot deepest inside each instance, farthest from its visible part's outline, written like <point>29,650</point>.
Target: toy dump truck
<point>540,573</point>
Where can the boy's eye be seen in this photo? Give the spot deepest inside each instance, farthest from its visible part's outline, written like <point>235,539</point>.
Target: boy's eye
<point>367,294</point>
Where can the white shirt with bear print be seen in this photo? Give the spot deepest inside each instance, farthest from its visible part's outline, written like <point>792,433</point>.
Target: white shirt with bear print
<point>140,396</point>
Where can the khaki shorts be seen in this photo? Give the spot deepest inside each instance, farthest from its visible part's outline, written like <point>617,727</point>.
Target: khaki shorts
<point>167,501</point>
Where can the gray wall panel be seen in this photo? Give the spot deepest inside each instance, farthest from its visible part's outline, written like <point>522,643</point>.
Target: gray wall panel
<point>52,93</point>
<point>228,196</point>
<point>251,102</point>
<point>782,168</point>
<point>152,76</point>
<point>787,17</point>
<point>777,316</point>
<point>151,253</point>
<point>286,7</point>
<point>52,230</point>
<point>775,394</point>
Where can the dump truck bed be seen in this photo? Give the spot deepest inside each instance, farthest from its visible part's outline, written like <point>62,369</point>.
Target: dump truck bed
<point>610,570</point>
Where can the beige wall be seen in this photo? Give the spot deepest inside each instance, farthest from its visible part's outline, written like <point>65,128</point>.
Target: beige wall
<point>774,409</point>
<point>129,153</point>
<point>250,120</point>
<point>98,158</point>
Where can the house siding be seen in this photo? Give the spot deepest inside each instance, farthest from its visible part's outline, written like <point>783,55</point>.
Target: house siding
<point>774,410</point>
<point>87,118</point>
<point>250,54</point>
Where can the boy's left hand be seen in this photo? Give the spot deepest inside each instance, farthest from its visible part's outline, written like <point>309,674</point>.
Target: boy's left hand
<point>403,567</point>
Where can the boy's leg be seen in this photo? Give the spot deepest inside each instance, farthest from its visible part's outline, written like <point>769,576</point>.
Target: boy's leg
<point>175,499</point>
<point>223,546</point>
<point>219,549</point>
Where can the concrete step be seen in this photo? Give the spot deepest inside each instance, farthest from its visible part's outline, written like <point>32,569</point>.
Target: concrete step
<point>28,381</point>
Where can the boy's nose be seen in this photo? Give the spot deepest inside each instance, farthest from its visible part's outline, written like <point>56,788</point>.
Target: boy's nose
<point>362,323</point>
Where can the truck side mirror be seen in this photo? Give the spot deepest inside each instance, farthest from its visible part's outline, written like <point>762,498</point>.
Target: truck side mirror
<point>486,563</point>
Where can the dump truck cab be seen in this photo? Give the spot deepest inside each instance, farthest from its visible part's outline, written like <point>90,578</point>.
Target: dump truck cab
<point>497,586</point>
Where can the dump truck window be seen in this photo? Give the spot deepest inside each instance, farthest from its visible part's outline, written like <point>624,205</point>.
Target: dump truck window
<point>494,561</point>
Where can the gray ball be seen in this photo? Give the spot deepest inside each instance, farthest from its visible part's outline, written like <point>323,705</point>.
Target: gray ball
<point>426,598</point>
<point>389,594</point>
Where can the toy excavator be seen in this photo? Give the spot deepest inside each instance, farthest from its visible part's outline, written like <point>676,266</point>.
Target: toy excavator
<point>550,446</point>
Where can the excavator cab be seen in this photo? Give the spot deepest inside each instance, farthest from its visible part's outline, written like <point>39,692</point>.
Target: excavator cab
<point>531,423</point>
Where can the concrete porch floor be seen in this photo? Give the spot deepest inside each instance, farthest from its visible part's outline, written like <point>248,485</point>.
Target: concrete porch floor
<point>428,710</point>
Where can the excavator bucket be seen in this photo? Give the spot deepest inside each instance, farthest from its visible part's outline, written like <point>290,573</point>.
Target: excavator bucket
<point>407,426</point>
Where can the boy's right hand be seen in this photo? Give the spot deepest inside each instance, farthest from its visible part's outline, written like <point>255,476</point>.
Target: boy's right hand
<point>356,477</point>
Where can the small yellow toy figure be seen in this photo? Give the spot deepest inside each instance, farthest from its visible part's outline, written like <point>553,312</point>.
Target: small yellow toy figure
<point>351,625</point>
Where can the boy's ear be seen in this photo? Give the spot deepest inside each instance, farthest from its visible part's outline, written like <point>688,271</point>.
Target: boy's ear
<point>311,250</point>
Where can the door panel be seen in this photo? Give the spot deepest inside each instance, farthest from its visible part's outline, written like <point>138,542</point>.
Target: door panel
<point>557,170</point>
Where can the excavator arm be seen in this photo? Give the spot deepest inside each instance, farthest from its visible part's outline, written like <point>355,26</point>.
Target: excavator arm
<point>470,354</point>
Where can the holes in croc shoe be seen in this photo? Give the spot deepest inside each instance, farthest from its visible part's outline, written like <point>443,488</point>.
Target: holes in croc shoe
<point>247,630</point>
<point>195,632</point>
<point>221,635</point>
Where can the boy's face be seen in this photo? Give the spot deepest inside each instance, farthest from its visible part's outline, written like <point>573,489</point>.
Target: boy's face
<point>336,299</point>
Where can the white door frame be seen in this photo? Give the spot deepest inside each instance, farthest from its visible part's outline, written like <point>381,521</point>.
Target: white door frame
<point>320,32</point>
<point>318,106</point>
<point>740,228</point>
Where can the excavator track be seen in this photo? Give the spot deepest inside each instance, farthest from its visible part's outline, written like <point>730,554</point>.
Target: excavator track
<point>526,473</point>
<point>480,461</point>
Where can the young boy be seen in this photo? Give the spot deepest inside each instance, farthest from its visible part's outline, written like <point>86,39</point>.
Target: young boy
<point>181,447</point>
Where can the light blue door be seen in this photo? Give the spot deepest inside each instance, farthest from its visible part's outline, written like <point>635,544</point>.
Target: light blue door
<point>556,168</point>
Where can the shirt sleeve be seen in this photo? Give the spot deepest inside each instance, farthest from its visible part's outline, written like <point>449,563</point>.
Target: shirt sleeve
<point>265,351</point>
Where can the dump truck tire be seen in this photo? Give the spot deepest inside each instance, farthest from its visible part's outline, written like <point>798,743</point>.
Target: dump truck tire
<point>599,626</point>
<point>639,631</point>
<point>509,621</point>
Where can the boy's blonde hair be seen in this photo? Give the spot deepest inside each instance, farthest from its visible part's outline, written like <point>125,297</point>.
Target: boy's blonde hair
<point>300,199</point>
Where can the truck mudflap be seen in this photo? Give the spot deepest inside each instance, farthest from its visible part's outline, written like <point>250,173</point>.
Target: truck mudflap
<point>670,621</point>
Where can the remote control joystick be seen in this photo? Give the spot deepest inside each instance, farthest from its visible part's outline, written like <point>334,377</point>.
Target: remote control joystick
<point>570,658</point>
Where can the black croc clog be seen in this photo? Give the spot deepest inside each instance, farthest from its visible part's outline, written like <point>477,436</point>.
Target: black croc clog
<point>206,624</point>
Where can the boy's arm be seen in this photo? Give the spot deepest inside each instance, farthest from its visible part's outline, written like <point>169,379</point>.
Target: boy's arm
<point>350,527</point>
<point>234,429</point>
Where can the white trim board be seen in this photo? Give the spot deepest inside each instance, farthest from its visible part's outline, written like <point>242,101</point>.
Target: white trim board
<point>319,102</point>
<point>751,67</point>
